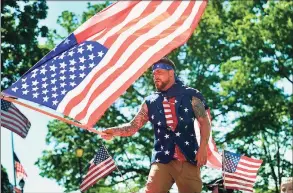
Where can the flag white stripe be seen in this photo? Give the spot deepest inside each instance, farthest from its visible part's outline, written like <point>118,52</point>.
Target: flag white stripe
<point>246,173</point>
<point>239,186</point>
<point>247,168</point>
<point>118,7</point>
<point>99,176</point>
<point>239,181</point>
<point>167,110</point>
<point>240,176</point>
<point>135,12</point>
<point>170,121</point>
<point>97,169</point>
<point>166,105</point>
<point>250,162</point>
<point>168,116</point>
<point>16,127</point>
<point>139,62</point>
<point>13,118</point>
<point>107,58</point>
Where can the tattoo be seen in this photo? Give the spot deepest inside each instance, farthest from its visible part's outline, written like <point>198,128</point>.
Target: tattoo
<point>132,127</point>
<point>198,108</point>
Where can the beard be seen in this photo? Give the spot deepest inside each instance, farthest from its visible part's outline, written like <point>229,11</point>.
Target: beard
<point>161,85</point>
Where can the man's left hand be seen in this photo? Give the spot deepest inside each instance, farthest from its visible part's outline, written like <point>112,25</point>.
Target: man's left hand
<point>201,156</point>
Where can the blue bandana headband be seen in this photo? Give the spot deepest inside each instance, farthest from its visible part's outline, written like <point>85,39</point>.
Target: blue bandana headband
<point>162,66</point>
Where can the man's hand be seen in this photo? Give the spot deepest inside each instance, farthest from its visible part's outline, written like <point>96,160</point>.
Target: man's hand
<point>201,156</point>
<point>107,134</point>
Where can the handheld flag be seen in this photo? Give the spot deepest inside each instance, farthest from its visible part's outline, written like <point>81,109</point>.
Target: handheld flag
<point>102,165</point>
<point>13,119</point>
<point>95,64</point>
<point>239,171</point>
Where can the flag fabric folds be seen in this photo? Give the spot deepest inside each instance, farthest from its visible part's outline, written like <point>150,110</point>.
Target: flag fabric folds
<point>102,165</point>
<point>214,159</point>
<point>95,64</point>
<point>13,119</point>
<point>239,171</point>
<point>20,172</point>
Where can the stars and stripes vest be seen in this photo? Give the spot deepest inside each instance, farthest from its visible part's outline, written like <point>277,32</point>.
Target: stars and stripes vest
<point>184,134</point>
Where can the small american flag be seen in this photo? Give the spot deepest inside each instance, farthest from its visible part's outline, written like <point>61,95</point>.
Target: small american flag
<point>20,172</point>
<point>83,75</point>
<point>102,165</point>
<point>13,119</point>
<point>239,172</point>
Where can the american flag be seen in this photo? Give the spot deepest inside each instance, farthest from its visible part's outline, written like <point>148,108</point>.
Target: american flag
<point>20,172</point>
<point>102,165</point>
<point>13,119</point>
<point>239,171</point>
<point>95,64</point>
<point>214,159</point>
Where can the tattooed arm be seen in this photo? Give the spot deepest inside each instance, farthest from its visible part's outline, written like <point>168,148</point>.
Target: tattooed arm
<point>130,128</point>
<point>205,129</point>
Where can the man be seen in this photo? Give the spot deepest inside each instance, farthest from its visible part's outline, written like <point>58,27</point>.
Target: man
<point>172,110</point>
<point>287,186</point>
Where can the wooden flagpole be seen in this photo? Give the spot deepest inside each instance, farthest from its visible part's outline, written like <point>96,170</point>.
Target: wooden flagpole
<point>52,115</point>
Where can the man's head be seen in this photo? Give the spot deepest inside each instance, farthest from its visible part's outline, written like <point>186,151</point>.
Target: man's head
<point>163,74</point>
<point>287,186</point>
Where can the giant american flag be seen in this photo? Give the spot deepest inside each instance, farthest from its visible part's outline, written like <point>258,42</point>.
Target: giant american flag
<point>239,171</point>
<point>102,165</point>
<point>83,75</point>
<point>13,119</point>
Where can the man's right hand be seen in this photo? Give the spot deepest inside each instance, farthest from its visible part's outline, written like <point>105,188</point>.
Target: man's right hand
<point>108,134</point>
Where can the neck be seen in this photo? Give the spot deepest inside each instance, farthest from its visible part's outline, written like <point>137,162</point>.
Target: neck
<point>169,85</point>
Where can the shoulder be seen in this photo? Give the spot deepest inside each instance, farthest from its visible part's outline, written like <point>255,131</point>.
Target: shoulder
<point>197,94</point>
<point>152,97</point>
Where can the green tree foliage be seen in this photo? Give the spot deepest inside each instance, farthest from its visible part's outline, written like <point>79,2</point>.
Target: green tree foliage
<point>19,32</point>
<point>6,187</point>
<point>237,57</point>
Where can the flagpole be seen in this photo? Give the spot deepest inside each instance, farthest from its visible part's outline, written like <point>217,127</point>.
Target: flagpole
<point>52,115</point>
<point>116,166</point>
<point>223,166</point>
<point>14,174</point>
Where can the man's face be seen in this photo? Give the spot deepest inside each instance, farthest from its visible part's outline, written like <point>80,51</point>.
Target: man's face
<point>162,78</point>
<point>287,187</point>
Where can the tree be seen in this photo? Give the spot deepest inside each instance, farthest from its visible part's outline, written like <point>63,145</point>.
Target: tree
<point>19,32</point>
<point>6,187</point>
<point>237,56</point>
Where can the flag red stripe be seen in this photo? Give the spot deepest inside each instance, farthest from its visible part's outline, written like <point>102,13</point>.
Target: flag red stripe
<point>180,38</point>
<point>237,178</point>
<point>10,119</point>
<point>18,114</point>
<point>10,122</point>
<point>98,167</point>
<point>253,170</point>
<point>249,165</point>
<point>134,55</point>
<point>111,63</point>
<point>149,9</point>
<point>7,126</point>
<point>86,186</point>
<point>251,160</point>
<point>101,20</point>
<point>238,188</point>
<point>238,183</point>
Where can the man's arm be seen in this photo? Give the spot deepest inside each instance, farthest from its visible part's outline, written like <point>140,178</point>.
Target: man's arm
<point>130,128</point>
<point>205,129</point>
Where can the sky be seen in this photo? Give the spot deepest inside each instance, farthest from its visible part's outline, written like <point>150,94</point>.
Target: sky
<point>30,149</point>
